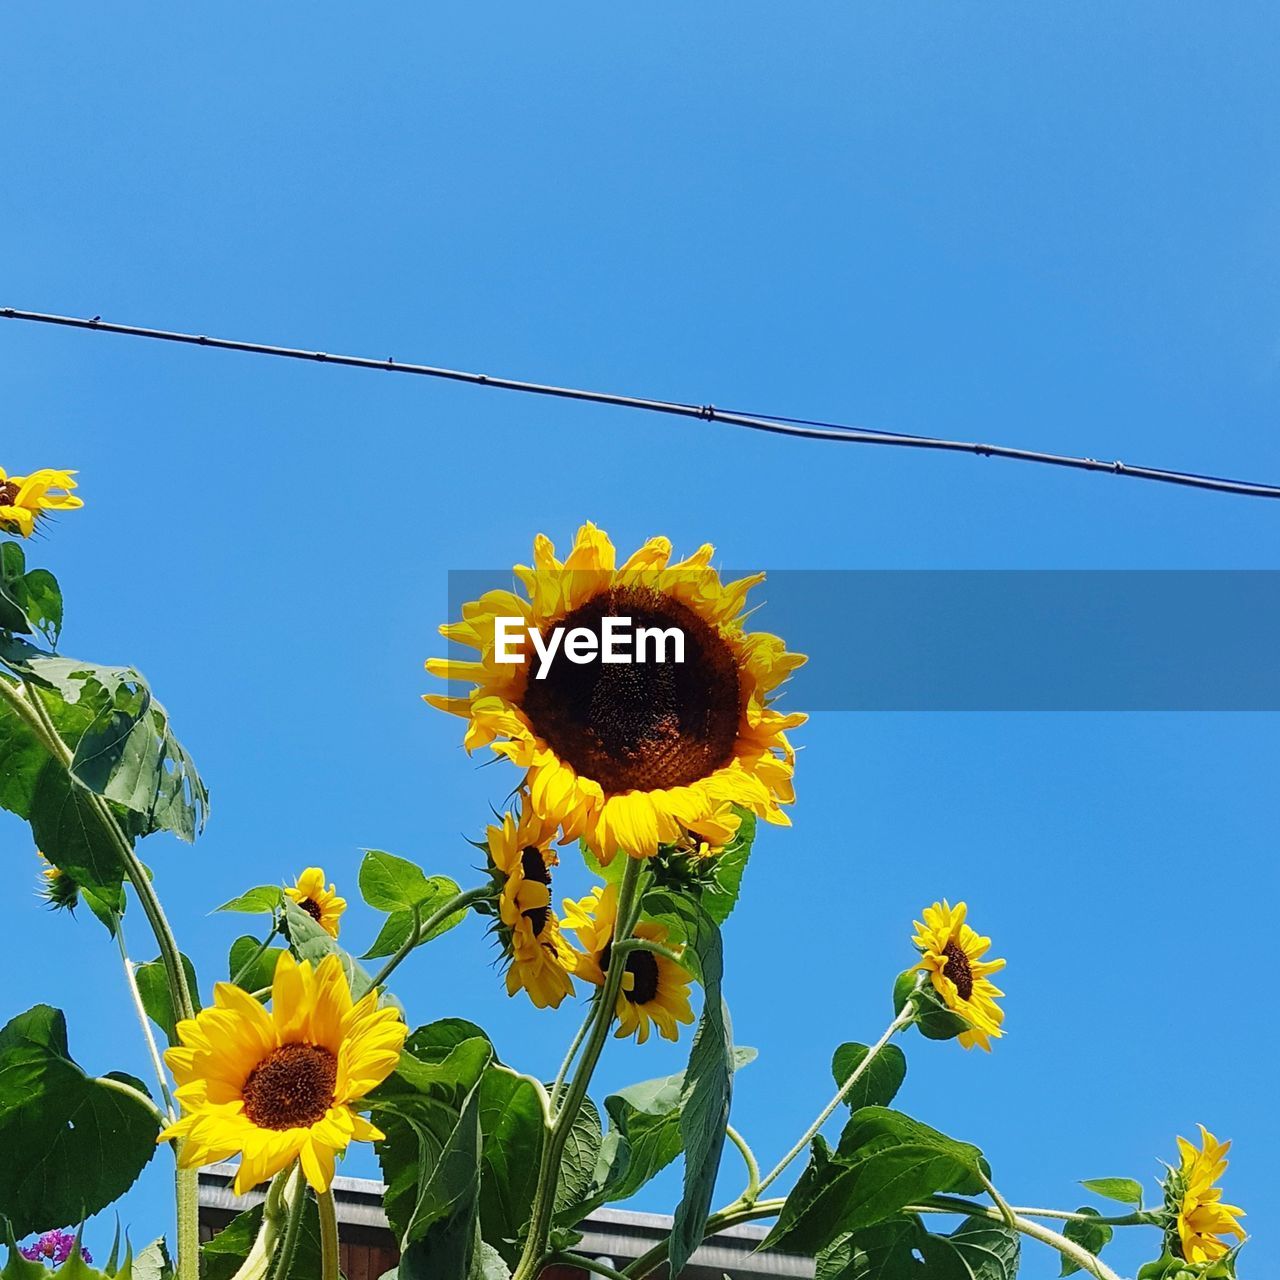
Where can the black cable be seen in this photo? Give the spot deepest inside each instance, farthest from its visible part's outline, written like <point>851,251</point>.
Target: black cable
<point>806,428</point>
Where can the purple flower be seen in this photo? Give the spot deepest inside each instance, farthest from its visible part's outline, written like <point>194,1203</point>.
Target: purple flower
<point>54,1247</point>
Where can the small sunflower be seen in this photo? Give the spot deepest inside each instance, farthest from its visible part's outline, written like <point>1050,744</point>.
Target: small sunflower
<point>321,904</point>
<point>540,957</point>
<point>24,499</point>
<point>953,960</point>
<point>631,755</point>
<point>57,888</point>
<point>278,1086</point>
<point>655,990</point>
<point>1203,1222</point>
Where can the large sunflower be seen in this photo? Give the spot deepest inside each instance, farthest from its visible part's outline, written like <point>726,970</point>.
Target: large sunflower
<point>540,957</point>
<point>953,960</point>
<point>274,1087</point>
<point>321,904</point>
<point>1203,1221</point>
<point>655,990</point>
<point>631,755</point>
<point>24,499</point>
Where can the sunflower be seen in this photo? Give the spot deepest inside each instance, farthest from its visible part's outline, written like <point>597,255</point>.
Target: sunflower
<point>24,499</point>
<point>57,888</point>
<point>953,960</point>
<point>321,904</point>
<point>540,957</point>
<point>1202,1219</point>
<point>630,755</point>
<point>654,988</point>
<point>274,1087</point>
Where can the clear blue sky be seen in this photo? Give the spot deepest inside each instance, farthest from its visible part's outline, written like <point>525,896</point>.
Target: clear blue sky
<point>1053,225</point>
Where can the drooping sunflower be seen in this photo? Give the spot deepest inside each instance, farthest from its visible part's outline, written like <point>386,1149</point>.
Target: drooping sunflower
<point>57,889</point>
<point>321,904</point>
<point>539,956</point>
<point>1203,1223</point>
<point>278,1086</point>
<point>953,960</point>
<point>629,755</point>
<point>24,499</point>
<point>655,990</point>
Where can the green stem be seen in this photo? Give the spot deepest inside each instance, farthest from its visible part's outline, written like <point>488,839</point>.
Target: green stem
<point>959,1205</point>
<point>292,1229</point>
<point>553,1149</point>
<point>328,1236</point>
<point>128,1091</point>
<point>730,1216</point>
<point>589,1264</point>
<point>144,1021</point>
<point>286,1187</point>
<point>646,944</point>
<point>998,1200</point>
<point>257,955</point>
<point>749,1158</point>
<point>563,1074</point>
<point>187,1196</point>
<point>1076,1253</point>
<point>904,1019</point>
<point>421,934</point>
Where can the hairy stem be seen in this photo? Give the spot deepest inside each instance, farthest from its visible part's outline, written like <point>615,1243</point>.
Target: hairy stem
<point>285,1190</point>
<point>905,1018</point>
<point>292,1228</point>
<point>136,1095</point>
<point>328,1236</point>
<point>248,965</point>
<point>419,935</point>
<point>749,1159</point>
<point>730,1216</point>
<point>553,1149</point>
<point>153,1050</point>
<point>563,1074</point>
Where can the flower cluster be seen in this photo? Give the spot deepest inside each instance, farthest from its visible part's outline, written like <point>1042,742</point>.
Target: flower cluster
<point>54,1247</point>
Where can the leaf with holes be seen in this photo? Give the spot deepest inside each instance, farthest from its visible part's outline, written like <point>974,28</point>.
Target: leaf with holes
<point>30,601</point>
<point>86,1141</point>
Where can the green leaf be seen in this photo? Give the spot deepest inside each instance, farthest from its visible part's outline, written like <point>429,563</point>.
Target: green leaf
<point>261,964</point>
<point>578,1164</point>
<point>28,601</point>
<point>153,987</point>
<point>720,898</point>
<point>511,1125</point>
<point>882,1252</point>
<point>389,883</point>
<point>91,1140</point>
<point>22,758</point>
<point>934,1020</point>
<point>1124,1190</point>
<point>708,1079</point>
<point>978,1249</point>
<point>69,831</point>
<point>429,1110</point>
<point>885,1161</point>
<point>1093,1236</point>
<point>901,1249</point>
<point>265,899</point>
<point>881,1081</point>
<point>222,1257</point>
<point>310,941</point>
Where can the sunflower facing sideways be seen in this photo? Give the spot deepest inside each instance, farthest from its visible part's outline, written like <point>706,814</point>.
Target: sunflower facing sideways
<point>321,904</point>
<point>1202,1223</point>
<point>539,957</point>
<point>953,960</point>
<point>282,1085</point>
<point>630,755</point>
<point>655,990</point>
<point>25,499</point>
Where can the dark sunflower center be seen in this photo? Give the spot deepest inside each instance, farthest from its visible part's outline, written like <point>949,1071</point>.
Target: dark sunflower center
<point>643,968</point>
<point>8,492</point>
<point>312,908</point>
<point>640,725</point>
<point>292,1087</point>
<point>958,970</point>
<point>534,868</point>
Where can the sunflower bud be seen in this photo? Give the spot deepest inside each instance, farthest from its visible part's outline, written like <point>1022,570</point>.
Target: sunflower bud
<point>57,889</point>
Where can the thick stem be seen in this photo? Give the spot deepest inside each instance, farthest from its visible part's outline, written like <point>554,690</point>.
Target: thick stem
<point>144,1021</point>
<point>905,1018</point>
<point>292,1229</point>
<point>584,1263</point>
<point>286,1188</point>
<point>328,1236</point>
<point>749,1159</point>
<point>187,1196</point>
<point>563,1074</point>
<point>553,1149</point>
<point>417,936</point>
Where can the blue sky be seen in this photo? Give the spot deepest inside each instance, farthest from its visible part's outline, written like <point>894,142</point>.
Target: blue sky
<point>1052,225</point>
